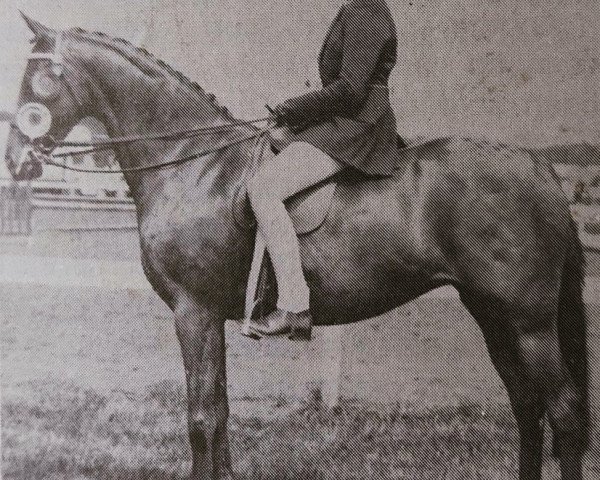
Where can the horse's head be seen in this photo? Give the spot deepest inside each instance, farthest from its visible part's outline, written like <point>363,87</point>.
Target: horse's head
<point>48,106</point>
<point>74,74</point>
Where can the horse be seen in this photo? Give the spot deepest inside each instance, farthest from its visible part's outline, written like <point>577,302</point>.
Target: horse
<point>483,217</point>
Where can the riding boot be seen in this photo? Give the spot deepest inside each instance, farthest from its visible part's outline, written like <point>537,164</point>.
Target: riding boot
<point>279,322</point>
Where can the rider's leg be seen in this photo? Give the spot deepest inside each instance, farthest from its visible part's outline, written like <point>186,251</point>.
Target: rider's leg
<point>298,166</point>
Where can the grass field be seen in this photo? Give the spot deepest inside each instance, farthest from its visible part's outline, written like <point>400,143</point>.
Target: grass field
<point>71,433</point>
<point>92,388</point>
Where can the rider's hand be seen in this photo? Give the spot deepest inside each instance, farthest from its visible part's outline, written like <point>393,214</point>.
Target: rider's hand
<point>283,115</point>
<point>279,115</point>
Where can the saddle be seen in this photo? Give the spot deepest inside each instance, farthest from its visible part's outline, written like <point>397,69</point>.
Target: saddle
<point>308,209</point>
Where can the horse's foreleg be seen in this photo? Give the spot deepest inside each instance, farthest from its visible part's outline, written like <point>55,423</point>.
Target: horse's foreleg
<point>201,335</point>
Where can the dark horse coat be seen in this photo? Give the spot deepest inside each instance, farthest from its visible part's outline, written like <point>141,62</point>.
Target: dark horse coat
<point>350,118</point>
<point>490,220</point>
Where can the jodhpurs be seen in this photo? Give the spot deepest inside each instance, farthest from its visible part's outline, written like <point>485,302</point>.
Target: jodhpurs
<point>297,167</point>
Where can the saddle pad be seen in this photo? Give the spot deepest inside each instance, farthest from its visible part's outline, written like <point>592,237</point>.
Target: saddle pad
<point>308,209</point>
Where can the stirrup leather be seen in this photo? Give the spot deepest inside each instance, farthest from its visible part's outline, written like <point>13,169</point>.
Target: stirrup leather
<point>254,294</point>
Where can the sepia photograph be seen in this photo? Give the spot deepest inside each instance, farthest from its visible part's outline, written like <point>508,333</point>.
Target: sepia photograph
<point>300,240</point>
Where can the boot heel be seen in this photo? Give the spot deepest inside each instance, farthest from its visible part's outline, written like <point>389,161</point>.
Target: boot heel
<point>247,331</point>
<point>301,334</point>
<point>301,328</point>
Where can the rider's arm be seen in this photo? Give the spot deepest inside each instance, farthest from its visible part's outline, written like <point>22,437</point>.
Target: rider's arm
<point>365,33</point>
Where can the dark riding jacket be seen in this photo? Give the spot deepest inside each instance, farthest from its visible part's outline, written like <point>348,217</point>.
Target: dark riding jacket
<point>351,118</point>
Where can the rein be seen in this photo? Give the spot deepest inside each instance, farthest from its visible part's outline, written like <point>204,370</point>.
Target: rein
<point>169,136</point>
<point>43,157</point>
<point>44,147</point>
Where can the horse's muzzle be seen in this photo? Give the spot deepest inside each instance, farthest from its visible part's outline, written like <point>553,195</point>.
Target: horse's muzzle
<point>30,169</point>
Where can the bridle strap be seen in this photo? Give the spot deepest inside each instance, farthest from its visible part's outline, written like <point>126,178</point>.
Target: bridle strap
<point>55,56</point>
<point>255,135</point>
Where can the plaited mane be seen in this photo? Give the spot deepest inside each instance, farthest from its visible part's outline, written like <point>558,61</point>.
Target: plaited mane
<point>133,54</point>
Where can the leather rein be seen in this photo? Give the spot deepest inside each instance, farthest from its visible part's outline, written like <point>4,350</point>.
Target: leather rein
<point>44,146</point>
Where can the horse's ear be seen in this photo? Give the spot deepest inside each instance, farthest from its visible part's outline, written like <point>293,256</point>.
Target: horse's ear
<point>36,27</point>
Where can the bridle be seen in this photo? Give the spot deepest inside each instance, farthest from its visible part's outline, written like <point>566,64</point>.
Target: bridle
<point>43,145</point>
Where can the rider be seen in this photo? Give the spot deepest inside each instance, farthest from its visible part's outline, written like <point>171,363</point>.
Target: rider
<point>349,122</point>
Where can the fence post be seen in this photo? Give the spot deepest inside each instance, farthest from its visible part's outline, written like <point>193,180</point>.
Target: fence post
<point>2,208</point>
<point>15,209</point>
<point>20,209</point>
<point>333,363</point>
<point>29,203</point>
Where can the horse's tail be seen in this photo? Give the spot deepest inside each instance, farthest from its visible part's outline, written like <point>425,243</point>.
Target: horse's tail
<point>572,324</point>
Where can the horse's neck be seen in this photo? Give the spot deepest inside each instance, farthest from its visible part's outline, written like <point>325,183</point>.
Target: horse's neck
<point>136,104</point>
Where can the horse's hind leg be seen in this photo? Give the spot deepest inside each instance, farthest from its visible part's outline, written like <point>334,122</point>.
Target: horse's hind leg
<point>525,397</point>
<point>543,362</point>
<point>524,346</point>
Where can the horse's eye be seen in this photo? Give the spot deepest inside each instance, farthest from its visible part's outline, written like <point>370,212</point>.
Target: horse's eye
<point>45,84</point>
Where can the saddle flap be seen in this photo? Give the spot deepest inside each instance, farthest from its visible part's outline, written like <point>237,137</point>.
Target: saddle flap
<point>308,209</point>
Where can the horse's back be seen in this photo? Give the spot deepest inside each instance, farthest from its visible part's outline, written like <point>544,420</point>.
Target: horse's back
<point>457,211</point>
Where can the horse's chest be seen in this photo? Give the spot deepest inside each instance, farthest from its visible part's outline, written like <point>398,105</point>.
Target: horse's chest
<point>200,251</point>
